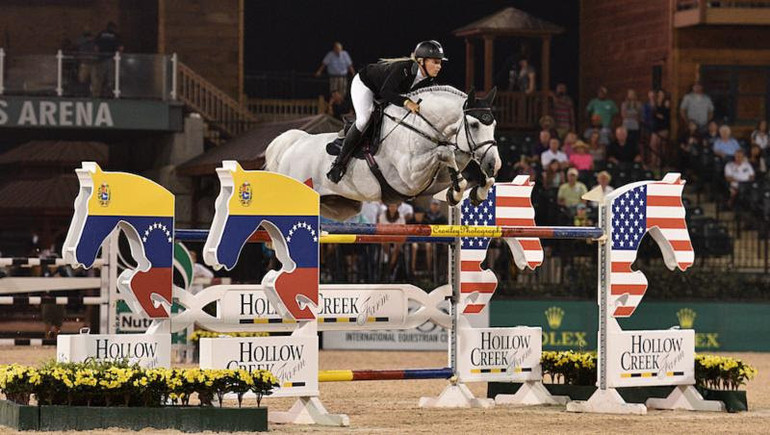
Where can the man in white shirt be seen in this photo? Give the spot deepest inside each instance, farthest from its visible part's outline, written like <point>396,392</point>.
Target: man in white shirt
<point>736,172</point>
<point>553,153</point>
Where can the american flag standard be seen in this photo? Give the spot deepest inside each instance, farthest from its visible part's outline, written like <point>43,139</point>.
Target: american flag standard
<point>508,204</point>
<point>654,207</point>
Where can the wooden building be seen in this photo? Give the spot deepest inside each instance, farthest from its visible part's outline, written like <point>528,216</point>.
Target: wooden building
<point>670,44</point>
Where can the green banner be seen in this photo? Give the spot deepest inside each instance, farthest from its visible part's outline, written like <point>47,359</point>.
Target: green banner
<point>574,324</point>
<point>77,113</point>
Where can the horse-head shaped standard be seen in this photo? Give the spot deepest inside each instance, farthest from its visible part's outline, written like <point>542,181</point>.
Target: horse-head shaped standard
<point>508,204</point>
<point>288,210</point>
<point>653,207</point>
<point>144,210</point>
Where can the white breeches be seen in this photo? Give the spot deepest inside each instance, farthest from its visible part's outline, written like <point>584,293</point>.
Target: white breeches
<point>363,102</point>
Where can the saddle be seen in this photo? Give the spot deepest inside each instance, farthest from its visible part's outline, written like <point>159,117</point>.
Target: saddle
<point>370,137</point>
<point>367,149</point>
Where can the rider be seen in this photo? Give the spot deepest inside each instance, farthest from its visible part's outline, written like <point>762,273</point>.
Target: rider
<point>387,80</point>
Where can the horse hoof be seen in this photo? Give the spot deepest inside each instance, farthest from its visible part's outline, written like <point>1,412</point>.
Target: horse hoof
<point>450,198</point>
<point>474,197</point>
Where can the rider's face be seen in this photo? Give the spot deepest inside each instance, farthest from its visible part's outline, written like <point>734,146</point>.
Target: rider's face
<point>432,67</point>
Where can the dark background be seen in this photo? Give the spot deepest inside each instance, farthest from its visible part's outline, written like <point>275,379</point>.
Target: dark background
<point>294,35</point>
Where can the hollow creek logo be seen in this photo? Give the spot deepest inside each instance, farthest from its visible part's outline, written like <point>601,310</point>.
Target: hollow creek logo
<point>561,339</point>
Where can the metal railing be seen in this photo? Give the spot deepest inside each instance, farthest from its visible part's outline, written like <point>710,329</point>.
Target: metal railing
<point>214,105</point>
<point>684,5</point>
<point>274,109</point>
<point>519,110</point>
<point>89,75</point>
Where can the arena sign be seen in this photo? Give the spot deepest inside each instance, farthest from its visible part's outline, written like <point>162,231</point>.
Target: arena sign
<point>146,350</point>
<point>41,112</point>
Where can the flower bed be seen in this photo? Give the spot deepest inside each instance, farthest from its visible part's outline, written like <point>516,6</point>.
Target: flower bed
<point>574,374</point>
<point>131,394</point>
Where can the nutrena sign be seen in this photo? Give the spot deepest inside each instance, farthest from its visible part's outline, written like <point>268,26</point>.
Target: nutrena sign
<point>53,112</point>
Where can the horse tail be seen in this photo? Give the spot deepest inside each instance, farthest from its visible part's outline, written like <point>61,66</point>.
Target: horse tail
<point>278,147</point>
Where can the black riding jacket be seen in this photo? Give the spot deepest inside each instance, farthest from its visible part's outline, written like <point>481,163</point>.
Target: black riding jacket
<point>390,80</point>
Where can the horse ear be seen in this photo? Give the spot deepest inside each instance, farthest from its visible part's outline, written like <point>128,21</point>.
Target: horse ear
<point>490,96</point>
<point>471,97</point>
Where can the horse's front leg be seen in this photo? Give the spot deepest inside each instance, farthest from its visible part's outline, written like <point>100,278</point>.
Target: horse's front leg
<point>480,193</point>
<point>456,190</point>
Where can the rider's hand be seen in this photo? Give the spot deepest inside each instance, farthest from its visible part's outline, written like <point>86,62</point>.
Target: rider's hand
<point>412,106</point>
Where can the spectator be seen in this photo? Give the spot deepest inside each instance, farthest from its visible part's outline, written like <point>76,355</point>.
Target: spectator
<point>604,107</point>
<point>553,153</point>
<point>581,216</point>
<point>661,124</point>
<point>757,161</point>
<point>553,176</point>
<point>338,64</point>
<point>87,67</point>
<point>524,167</point>
<point>404,209</point>
<point>712,133</point>
<point>631,112</point>
<point>435,215</point>
<point>603,178</point>
<point>571,193</point>
<point>620,151</point>
<point>370,212</point>
<point>546,122</point>
<point>570,139</point>
<point>596,126</point>
<point>697,106</point>
<point>725,146</point>
<point>525,77</point>
<point>597,150</point>
<point>689,144</point>
<point>648,110</point>
<point>391,251</point>
<point>563,110</point>
<point>759,136</point>
<point>107,44</point>
<point>580,159</point>
<point>736,172</point>
<point>542,145</point>
<point>337,106</point>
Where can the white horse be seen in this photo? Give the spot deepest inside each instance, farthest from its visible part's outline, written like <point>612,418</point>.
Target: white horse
<point>419,155</point>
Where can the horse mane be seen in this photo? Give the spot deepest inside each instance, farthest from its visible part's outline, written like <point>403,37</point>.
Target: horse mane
<point>438,88</point>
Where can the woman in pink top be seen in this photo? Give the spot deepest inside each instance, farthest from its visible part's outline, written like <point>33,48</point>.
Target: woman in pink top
<point>569,142</point>
<point>580,159</point>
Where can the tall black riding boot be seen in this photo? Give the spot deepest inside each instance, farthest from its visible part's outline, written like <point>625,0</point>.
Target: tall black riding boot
<point>341,162</point>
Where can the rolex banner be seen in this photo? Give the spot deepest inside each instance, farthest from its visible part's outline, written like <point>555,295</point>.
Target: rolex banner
<point>717,326</point>
<point>645,358</point>
<point>499,354</point>
<point>293,360</point>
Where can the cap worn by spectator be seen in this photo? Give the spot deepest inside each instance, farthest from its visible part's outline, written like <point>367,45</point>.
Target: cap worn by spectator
<point>572,171</point>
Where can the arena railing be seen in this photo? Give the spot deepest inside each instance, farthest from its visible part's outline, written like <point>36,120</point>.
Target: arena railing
<point>97,75</point>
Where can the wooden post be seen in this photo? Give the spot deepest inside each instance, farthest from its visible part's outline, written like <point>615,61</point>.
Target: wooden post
<point>546,71</point>
<point>489,56</point>
<point>470,58</point>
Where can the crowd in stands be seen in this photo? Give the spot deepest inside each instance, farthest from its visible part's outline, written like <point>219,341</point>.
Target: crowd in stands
<point>625,142</point>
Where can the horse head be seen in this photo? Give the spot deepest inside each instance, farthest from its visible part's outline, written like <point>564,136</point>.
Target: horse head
<point>288,210</point>
<point>144,210</point>
<point>477,132</point>
<point>653,207</point>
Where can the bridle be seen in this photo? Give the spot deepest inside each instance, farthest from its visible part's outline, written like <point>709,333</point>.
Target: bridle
<point>483,114</point>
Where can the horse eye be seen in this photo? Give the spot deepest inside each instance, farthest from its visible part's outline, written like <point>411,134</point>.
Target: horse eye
<point>475,125</point>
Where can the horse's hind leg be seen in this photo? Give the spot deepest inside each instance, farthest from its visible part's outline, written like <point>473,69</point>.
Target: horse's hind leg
<point>339,208</point>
